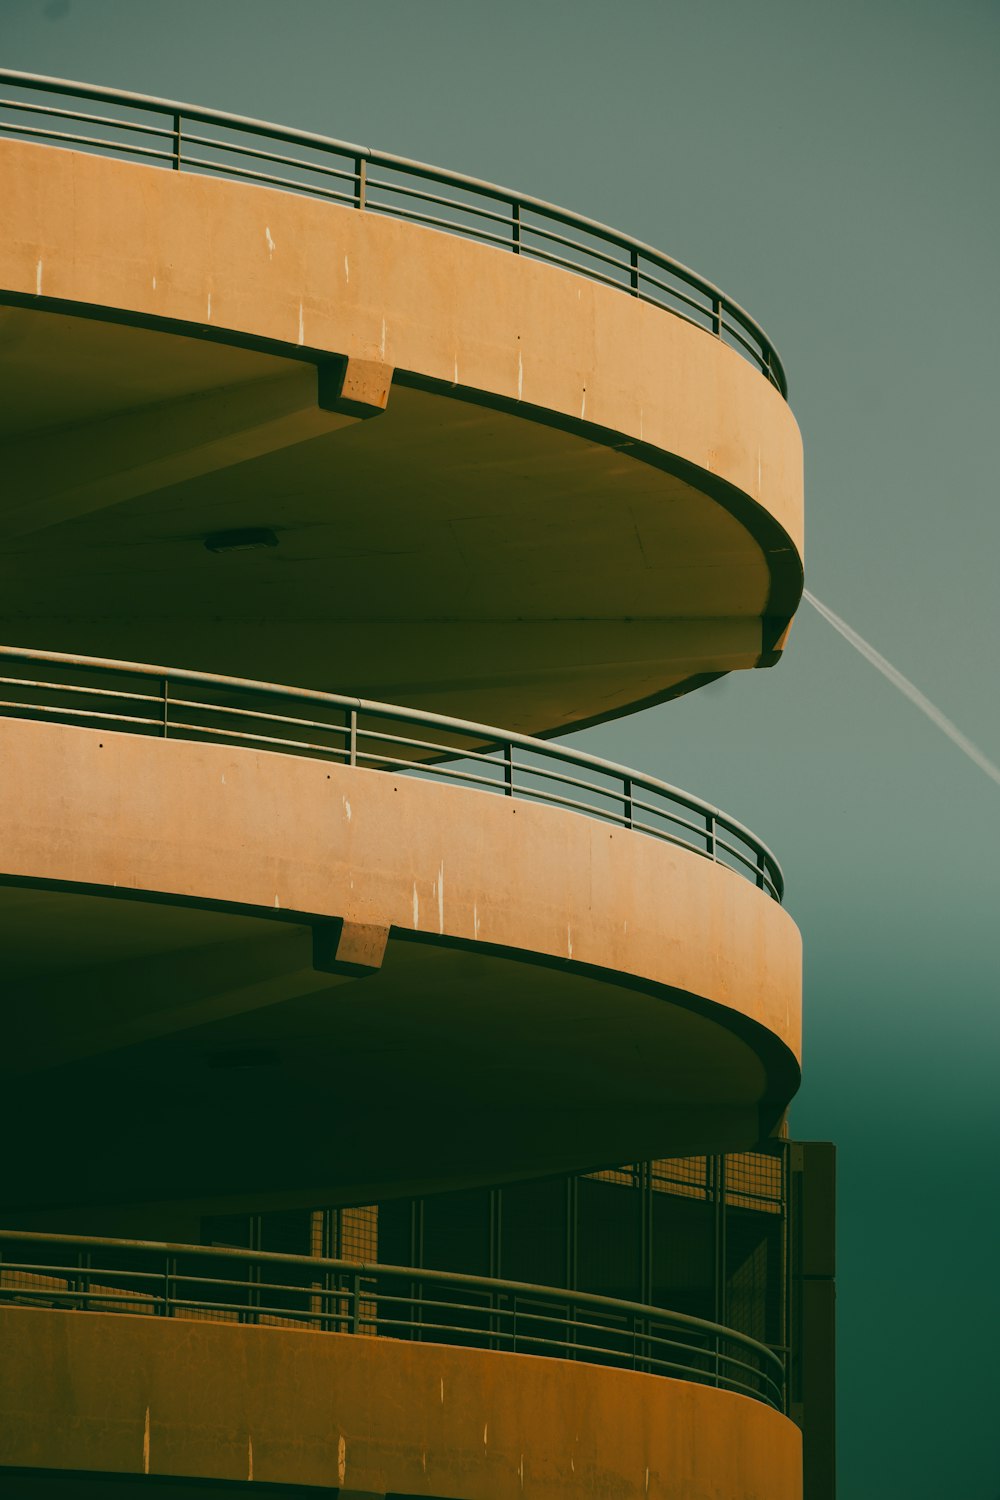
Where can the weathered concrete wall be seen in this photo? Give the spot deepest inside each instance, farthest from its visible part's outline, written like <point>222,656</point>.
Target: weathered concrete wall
<point>129,1394</point>
<point>269,831</point>
<point>275,265</point>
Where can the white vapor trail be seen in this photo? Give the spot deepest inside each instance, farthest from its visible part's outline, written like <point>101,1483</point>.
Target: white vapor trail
<point>906,687</point>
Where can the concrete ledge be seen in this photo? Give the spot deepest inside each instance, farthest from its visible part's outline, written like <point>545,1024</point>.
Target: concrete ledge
<point>287,268</point>
<point>132,1395</point>
<point>570,503</point>
<point>285,834</point>
<point>515,990</point>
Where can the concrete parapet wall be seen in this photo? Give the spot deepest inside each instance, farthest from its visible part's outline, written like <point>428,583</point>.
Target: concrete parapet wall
<point>274,832</point>
<point>279,266</point>
<point>123,1394</point>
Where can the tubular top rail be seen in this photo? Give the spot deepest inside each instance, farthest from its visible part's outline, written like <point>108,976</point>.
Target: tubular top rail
<point>708,308</point>
<point>637,802</point>
<point>352,1295</point>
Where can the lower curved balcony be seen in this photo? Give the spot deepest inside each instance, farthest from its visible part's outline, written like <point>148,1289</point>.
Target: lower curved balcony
<point>374,1379</point>
<point>231,907</point>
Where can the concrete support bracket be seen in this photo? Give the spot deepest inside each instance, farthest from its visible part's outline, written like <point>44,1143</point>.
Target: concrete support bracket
<point>354,387</point>
<point>350,948</point>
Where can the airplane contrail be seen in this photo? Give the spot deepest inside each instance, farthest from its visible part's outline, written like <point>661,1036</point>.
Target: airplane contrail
<point>906,687</point>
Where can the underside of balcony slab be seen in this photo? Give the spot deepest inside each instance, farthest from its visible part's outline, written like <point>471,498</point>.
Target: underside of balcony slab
<point>494,488</point>
<point>308,979</point>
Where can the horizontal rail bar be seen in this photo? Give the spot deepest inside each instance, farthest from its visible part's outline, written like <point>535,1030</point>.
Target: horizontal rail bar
<point>764,357</point>
<point>94,140</point>
<point>69,687</point>
<point>451,225</point>
<point>560,260</point>
<point>343,173</point>
<point>257,739</point>
<point>250,713</point>
<point>68,712</point>
<point>403,189</point>
<point>28,106</point>
<point>225,170</point>
<point>704,308</point>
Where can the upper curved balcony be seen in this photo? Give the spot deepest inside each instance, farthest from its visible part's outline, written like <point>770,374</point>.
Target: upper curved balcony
<point>325,910</point>
<point>537,488</point>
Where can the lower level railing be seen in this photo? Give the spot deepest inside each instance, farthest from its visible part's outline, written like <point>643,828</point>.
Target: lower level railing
<point>217,1283</point>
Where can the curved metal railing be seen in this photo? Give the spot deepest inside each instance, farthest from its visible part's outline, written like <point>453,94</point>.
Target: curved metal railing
<point>401,1302</point>
<point>190,138</point>
<point>173,702</point>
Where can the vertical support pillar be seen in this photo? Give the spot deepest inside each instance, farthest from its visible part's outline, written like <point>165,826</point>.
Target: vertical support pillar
<point>811,1372</point>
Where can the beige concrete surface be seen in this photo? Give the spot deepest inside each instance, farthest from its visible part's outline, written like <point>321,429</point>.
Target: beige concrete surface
<point>569,992</point>
<point>265,831</point>
<point>132,1395</point>
<point>605,500</point>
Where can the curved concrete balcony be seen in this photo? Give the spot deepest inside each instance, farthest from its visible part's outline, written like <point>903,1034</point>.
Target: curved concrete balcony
<point>537,488</point>
<point>461,1386</point>
<point>237,907</point>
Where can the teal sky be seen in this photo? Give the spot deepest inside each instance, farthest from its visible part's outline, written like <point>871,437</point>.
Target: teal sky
<point>833,167</point>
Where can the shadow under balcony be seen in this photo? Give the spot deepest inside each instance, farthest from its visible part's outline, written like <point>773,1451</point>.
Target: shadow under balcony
<point>271,945</point>
<point>516,466</point>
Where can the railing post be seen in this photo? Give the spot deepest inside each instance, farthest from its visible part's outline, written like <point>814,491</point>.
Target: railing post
<point>634,272</point>
<point>352,739</point>
<point>176,162</point>
<point>166,707</point>
<point>515,227</point>
<point>710,839</point>
<point>356,1304</point>
<point>83,1289</point>
<point>360,181</point>
<point>761,871</point>
<point>508,769</point>
<point>717,317</point>
<point>627,807</point>
<point>166,1313</point>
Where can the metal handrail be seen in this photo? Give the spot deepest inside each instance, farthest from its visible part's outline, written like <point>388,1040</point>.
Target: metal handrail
<point>631,260</point>
<point>345,729</point>
<point>401,1302</point>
